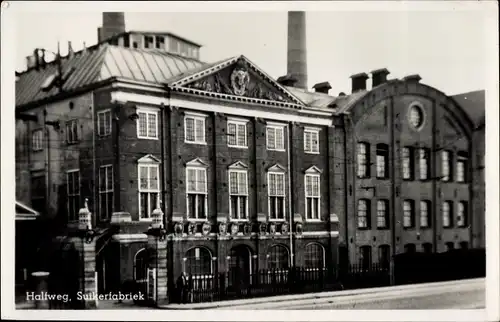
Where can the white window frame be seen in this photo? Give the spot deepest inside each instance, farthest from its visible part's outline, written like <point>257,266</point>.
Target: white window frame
<point>423,163</point>
<point>107,189</point>
<point>408,206</point>
<point>446,165</point>
<point>148,190</point>
<point>74,195</point>
<point>238,194</point>
<point>237,123</point>
<point>269,196</point>
<point>425,206</point>
<point>37,140</point>
<point>316,216</point>
<point>382,160</point>
<point>366,223</point>
<point>195,117</point>
<point>197,166</point>
<point>72,132</point>
<point>363,160</point>
<point>313,144</point>
<point>407,163</point>
<point>462,214</point>
<point>277,129</point>
<point>447,214</point>
<point>461,171</point>
<point>106,130</point>
<point>382,224</point>
<point>148,112</point>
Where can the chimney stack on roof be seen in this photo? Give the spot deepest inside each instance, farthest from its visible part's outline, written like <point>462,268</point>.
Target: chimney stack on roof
<point>379,76</point>
<point>359,82</point>
<point>113,23</point>
<point>297,50</point>
<point>323,87</point>
<point>412,78</point>
<point>71,52</point>
<point>31,61</point>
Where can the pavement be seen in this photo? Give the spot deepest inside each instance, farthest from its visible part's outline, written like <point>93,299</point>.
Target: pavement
<point>464,294</point>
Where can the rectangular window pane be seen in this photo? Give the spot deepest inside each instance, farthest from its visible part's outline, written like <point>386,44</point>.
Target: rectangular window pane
<point>242,135</point>
<point>243,205</point>
<point>272,184</point>
<point>144,199</point>
<point>242,183</point>
<point>201,178</point>
<point>380,166</point>
<point>189,128</point>
<point>424,164</point>
<point>233,183</point>
<point>152,125</point>
<point>234,207</point>
<point>231,134</point>
<point>201,206</point>
<point>307,141</point>
<point>143,177</point>
<point>153,177</point>
<point>143,124</point>
<point>271,138</point>
<point>200,130</point>
<point>315,142</point>
<point>280,139</point>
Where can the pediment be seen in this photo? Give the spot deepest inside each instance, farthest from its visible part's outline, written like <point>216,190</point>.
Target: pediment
<point>238,165</point>
<point>149,158</point>
<point>313,170</point>
<point>276,168</point>
<point>241,78</point>
<point>197,163</point>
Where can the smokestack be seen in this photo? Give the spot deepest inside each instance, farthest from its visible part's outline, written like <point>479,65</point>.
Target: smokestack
<point>297,51</point>
<point>113,23</point>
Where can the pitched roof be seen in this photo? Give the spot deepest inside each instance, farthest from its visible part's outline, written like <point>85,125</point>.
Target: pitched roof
<point>312,99</point>
<point>473,105</point>
<point>102,62</point>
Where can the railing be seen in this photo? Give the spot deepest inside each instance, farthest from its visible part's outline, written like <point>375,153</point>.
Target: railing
<point>296,280</point>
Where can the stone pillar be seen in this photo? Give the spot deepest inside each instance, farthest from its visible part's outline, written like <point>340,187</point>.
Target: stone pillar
<point>41,288</point>
<point>158,271</point>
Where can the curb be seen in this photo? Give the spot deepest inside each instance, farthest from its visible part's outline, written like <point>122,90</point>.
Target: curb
<point>311,296</point>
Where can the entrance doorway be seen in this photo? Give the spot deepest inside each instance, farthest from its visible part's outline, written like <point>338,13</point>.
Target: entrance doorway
<point>240,265</point>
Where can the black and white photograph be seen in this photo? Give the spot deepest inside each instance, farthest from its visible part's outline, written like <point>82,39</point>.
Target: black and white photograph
<point>322,157</point>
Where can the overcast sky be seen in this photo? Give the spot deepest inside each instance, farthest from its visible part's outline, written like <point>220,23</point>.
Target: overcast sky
<point>445,47</point>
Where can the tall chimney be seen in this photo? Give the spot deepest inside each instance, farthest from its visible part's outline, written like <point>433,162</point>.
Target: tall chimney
<point>297,51</point>
<point>113,23</point>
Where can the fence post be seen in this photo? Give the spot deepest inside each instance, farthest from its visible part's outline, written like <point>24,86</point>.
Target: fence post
<point>392,271</point>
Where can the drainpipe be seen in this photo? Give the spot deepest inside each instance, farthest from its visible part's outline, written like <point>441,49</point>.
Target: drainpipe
<point>94,172</point>
<point>46,134</point>
<point>393,192</point>
<point>116,118</point>
<point>290,167</point>
<point>162,157</point>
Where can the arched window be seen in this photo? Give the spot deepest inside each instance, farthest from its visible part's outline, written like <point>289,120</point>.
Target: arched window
<point>198,261</point>
<point>365,259</point>
<point>314,256</point>
<point>141,265</point>
<point>384,256</point>
<point>277,257</point>
<point>382,161</point>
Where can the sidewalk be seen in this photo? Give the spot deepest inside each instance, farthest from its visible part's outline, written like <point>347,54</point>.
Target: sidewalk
<point>286,298</point>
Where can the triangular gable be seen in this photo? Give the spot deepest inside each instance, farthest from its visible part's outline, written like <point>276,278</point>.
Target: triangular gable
<point>238,76</point>
<point>149,159</point>
<point>313,170</point>
<point>238,165</point>
<point>197,163</point>
<point>276,168</point>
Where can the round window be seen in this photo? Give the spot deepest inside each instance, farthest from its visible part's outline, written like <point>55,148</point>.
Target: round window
<point>416,116</point>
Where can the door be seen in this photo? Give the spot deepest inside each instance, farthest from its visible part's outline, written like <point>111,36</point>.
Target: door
<point>240,265</point>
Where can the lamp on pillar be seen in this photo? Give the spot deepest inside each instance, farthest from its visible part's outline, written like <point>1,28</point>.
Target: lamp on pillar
<point>85,223</point>
<point>157,229</point>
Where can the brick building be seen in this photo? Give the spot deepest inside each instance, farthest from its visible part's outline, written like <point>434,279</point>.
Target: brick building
<point>252,172</point>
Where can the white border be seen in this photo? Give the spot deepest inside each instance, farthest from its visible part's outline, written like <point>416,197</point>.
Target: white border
<point>492,219</point>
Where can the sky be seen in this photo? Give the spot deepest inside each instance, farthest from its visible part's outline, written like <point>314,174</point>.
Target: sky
<point>446,47</point>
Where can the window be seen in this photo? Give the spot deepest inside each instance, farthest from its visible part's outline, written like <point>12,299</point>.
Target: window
<point>407,156</point>
<point>423,160</point>
<point>365,259</point>
<point>275,137</point>
<point>198,261</point>
<point>277,257</point>
<point>106,191</point>
<point>37,140</point>
<point>462,167</point>
<point>425,207</point>
<point>446,165</point>
<point>149,189</point>
<point>237,134</point>
<point>382,214</point>
<point>416,116</point>
<point>160,42</point>
<point>194,129</point>
<point>363,213</point>
<point>408,214</point>
<point>314,256</point>
<point>382,161</point>
<point>148,42</point>
<point>141,260</point>
<point>197,193</point>
<point>410,248</point>
<point>72,131</point>
<point>73,184</point>
<point>449,246</point>
<point>311,141</point>
<point>312,196</point>
<point>427,248</point>
<point>38,190</point>
<point>147,124</point>
<point>462,214</point>
<point>238,194</point>
<point>384,256</point>
<point>276,192</point>
<point>363,160</point>
<point>104,123</point>
<point>447,214</point>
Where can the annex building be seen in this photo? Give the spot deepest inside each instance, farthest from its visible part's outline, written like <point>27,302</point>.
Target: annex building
<point>251,172</point>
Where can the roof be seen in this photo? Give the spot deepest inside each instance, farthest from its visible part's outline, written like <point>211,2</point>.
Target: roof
<point>473,104</point>
<point>102,62</point>
<point>312,99</point>
<point>23,212</point>
<point>162,33</point>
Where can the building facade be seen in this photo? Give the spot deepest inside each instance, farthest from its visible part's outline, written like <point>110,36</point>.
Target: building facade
<point>251,172</point>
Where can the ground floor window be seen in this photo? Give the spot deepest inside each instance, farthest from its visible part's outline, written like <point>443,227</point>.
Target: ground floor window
<point>314,256</point>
